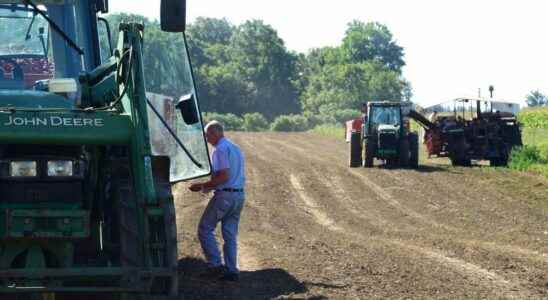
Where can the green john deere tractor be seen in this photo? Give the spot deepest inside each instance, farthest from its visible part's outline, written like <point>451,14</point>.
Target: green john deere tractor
<point>385,135</point>
<point>92,136</point>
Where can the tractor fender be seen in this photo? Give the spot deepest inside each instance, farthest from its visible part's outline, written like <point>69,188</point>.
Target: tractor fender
<point>352,126</point>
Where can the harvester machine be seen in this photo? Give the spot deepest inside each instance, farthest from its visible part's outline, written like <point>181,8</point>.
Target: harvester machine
<point>92,137</point>
<point>475,130</point>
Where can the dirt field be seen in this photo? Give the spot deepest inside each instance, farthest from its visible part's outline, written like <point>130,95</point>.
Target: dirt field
<point>312,228</point>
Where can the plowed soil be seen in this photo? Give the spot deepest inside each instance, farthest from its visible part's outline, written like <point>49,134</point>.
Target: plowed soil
<point>312,228</point>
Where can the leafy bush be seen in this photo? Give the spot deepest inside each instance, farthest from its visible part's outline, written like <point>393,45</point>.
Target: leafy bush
<point>331,117</point>
<point>254,122</point>
<point>229,121</point>
<point>530,158</point>
<point>522,158</point>
<point>342,115</point>
<point>314,119</point>
<point>543,151</point>
<point>289,123</point>
<point>534,118</point>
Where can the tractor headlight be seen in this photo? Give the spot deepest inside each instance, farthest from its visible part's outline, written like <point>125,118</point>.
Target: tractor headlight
<point>60,168</point>
<point>22,169</point>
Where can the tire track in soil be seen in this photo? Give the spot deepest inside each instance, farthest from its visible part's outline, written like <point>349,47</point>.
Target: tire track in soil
<point>336,184</point>
<point>484,276</point>
<point>336,191</point>
<point>380,191</point>
<point>517,257</point>
<point>511,289</point>
<point>455,186</point>
<point>462,266</point>
<point>392,201</point>
<point>320,216</point>
<point>487,278</point>
<point>256,157</point>
<point>311,207</point>
<point>307,204</point>
<point>510,250</point>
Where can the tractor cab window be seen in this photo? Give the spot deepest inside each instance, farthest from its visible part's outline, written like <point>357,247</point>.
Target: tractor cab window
<point>385,115</point>
<point>24,48</point>
<point>33,51</point>
<point>172,95</point>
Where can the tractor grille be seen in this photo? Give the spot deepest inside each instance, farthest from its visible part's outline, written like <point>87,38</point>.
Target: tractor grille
<point>387,140</point>
<point>40,192</point>
<point>46,224</point>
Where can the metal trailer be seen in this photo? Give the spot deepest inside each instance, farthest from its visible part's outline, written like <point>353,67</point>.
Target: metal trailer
<point>472,132</point>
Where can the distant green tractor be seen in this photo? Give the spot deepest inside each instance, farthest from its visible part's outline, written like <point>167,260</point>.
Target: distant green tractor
<point>384,135</point>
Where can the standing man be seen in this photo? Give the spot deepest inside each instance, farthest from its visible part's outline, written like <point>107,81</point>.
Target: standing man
<point>227,181</point>
<point>364,112</point>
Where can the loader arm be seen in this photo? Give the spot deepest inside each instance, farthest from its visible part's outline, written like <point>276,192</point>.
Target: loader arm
<point>421,120</point>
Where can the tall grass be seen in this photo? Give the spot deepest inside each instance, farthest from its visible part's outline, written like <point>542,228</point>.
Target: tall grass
<point>530,158</point>
<point>533,156</point>
<point>534,117</point>
<point>330,130</point>
<point>534,136</point>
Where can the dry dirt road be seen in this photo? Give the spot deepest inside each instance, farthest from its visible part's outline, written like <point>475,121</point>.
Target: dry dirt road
<point>312,228</point>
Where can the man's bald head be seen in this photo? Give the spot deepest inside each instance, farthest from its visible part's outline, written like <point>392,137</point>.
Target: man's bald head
<point>214,132</point>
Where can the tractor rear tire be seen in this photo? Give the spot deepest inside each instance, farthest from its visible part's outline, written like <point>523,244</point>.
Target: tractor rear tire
<point>369,155</point>
<point>172,259</point>
<point>403,159</point>
<point>502,159</point>
<point>413,150</point>
<point>128,227</point>
<point>458,153</point>
<point>355,150</point>
<point>461,161</point>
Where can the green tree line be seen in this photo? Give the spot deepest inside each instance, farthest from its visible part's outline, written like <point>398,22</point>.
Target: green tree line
<point>246,68</point>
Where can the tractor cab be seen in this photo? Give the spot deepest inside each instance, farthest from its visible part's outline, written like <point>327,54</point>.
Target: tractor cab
<point>385,123</point>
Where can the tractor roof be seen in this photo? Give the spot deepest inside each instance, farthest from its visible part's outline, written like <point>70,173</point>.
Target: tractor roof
<point>38,2</point>
<point>387,103</point>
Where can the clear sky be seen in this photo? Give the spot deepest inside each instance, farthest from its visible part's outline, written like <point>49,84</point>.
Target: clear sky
<point>452,48</point>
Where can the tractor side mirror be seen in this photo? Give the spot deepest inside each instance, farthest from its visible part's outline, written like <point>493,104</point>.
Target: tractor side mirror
<point>102,6</point>
<point>173,15</point>
<point>188,109</point>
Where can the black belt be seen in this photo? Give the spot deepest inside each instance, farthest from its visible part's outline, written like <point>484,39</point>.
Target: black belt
<point>232,190</point>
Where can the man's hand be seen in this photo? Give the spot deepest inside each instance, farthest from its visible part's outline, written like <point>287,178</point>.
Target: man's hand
<point>217,178</point>
<point>195,187</point>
